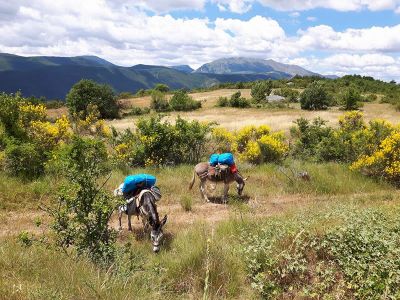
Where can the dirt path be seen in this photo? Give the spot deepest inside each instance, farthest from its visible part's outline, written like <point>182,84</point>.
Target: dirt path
<point>13,222</point>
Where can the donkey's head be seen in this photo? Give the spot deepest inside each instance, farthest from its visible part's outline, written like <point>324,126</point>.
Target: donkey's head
<point>156,234</point>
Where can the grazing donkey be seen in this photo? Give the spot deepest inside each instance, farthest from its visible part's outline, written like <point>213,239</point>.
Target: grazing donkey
<point>206,172</point>
<point>145,207</point>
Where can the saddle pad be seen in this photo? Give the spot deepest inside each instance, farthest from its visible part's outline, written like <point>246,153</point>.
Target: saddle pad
<point>131,182</point>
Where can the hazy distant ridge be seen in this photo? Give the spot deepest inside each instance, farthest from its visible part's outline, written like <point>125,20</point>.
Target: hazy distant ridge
<point>52,77</point>
<point>243,65</point>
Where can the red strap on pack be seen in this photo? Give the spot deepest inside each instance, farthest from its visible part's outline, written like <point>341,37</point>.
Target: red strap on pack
<point>234,169</point>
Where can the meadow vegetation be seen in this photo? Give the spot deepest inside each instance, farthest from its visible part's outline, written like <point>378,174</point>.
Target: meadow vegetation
<point>333,235</point>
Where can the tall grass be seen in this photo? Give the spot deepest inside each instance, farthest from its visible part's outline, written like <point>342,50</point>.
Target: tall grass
<point>176,273</point>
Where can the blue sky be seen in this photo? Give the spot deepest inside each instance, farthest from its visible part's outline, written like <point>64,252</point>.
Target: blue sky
<point>331,37</point>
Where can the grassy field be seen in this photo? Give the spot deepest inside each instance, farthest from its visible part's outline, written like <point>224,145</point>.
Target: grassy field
<point>285,238</point>
<point>204,238</point>
<point>234,118</point>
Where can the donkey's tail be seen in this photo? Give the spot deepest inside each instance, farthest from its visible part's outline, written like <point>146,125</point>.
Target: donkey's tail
<point>193,180</point>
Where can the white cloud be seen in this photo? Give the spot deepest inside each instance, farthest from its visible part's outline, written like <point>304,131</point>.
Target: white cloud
<point>162,6</point>
<point>294,14</point>
<point>311,19</point>
<point>340,5</point>
<point>385,39</point>
<point>124,34</point>
<point>235,6</point>
<point>377,65</point>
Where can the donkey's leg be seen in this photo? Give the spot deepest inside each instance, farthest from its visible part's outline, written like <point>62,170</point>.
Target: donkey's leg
<point>203,190</point>
<point>129,222</point>
<point>226,190</point>
<point>120,217</point>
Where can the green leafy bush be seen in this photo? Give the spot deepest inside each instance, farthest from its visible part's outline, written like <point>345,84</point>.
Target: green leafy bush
<point>161,87</point>
<point>369,98</point>
<point>24,160</point>
<point>291,95</point>
<point>307,135</point>
<point>160,143</point>
<point>223,102</point>
<point>392,97</point>
<point>9,114</point>
<point>138,111</point>
<point>87,92</point>
<point>83,212</point>
<point>236,100</point>
<point>260,90</point>
<point>181,101</point>
<point>315,97</point>
<point>355,258</point>
<point>351,99</point>
<point>347,143</point>
<point>159,102</point>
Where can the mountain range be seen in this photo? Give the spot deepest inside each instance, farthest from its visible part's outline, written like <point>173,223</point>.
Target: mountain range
<point>52,77</point>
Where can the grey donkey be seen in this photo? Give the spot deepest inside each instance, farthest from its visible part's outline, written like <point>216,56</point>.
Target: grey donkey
<point>147,210</point>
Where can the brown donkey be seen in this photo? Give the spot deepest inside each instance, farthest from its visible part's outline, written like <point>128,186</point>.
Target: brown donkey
<point>206,172</point>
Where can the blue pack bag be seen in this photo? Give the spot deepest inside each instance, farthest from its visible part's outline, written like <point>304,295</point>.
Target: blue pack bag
<point>214,159</point>
<point>226,159</point>
<point>131,182</point>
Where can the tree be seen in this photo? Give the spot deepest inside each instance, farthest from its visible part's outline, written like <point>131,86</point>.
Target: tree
<point>260,90</point>
<point>181,101</point>
<point>161,87</point>
<point>87,92</point>
<point>350,99</point>
<point>159,102</point>
<point>315,97</point>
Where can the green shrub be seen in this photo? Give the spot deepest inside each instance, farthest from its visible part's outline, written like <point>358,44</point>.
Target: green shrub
<point>87,92</point>
<point>141,93</point>
<point>159,102</point>
<point>9,113</point>
<point>315,97</point>
<point>369,98</point>
<point>350,99</point>
<point>354,256</point>
<point>308,135</point>
<point>24,160</point>
<point>260,90</point>
<point>181,101</point>
<point>223,102</point>
<point>161,143</point>
<point>138,111</point>
<point>238,101</point>
<point>161,87</point>
<point>83,212</point>
<point>290,95</point>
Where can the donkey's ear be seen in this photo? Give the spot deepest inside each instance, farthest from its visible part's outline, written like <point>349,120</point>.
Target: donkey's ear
<point>163,221</point>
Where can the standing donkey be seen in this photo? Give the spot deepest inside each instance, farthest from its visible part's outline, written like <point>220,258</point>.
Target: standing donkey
<point>206,172</point>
